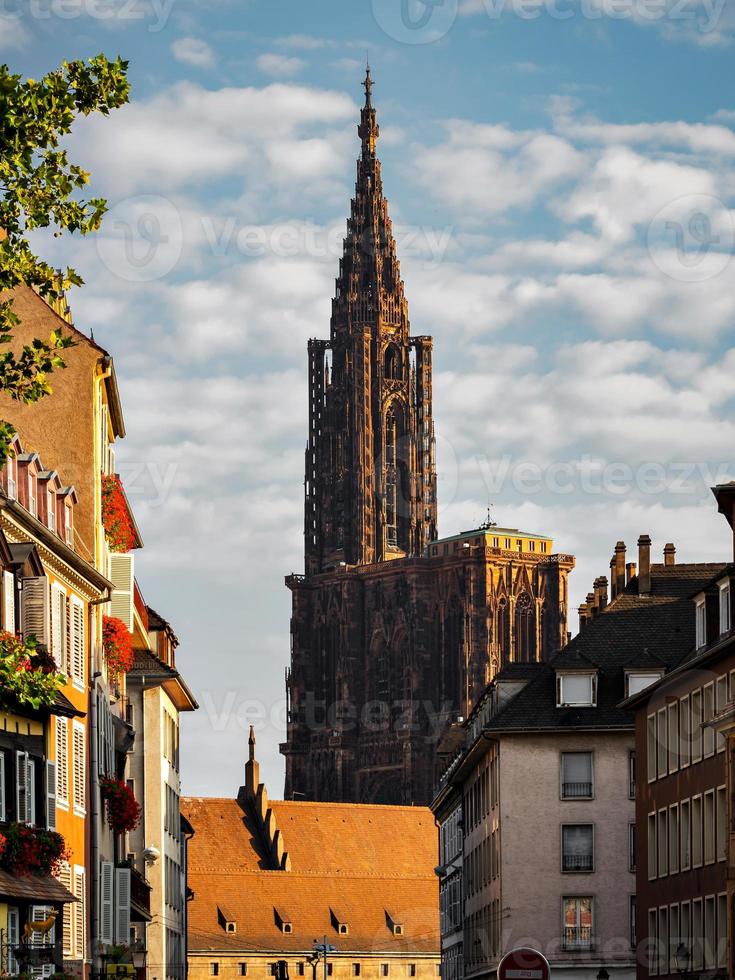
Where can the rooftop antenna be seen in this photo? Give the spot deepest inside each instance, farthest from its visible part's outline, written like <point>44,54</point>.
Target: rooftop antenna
<point>489,522</point>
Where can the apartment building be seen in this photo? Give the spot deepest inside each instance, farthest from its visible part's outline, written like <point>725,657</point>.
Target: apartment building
<point>546,778</point>
<point>684,810</point>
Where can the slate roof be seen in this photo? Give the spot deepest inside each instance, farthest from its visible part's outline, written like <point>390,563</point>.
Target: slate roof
<point>31,888</point>
<point>357,861</point>
<point>634,631</point>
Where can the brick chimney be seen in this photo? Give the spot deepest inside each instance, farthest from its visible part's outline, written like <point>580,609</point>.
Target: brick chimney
<point>669,554</point>
<point>591,605</point>
<point>619,567</point>
<point>630,570</point>
<point>583,616</point>
<point>613,583</point>
<point>601,592</point>
<point>644,564</point>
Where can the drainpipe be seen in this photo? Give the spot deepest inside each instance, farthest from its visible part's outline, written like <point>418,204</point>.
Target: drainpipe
<point>94,810</point>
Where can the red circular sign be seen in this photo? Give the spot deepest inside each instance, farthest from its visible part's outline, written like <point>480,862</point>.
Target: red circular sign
<point>524,964</point>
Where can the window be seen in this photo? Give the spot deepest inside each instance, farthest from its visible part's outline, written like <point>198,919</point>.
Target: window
<point>577,848</point>
<point>708,713</point>
<point>9,602</point>
<point>720,705</point>
<point>576,690</point>
<point>576,775</point>
<point>64,876</point>
<point>652,949</point>
<point>684,834</point>
<point>79,767</point>
<point>685,733</point>
<point>412,969</point>
<point>673,736</point>
<point>577,923</point>
<point>721,824</point>
<point>709,827</point>
<point>50,509</point>
<point>662,833</point>
<point>710,956</point>
<point>636,681</point>
<point>661,746</point>
<point>242,969</point>
<point>651,846</point>
<point>214,969</point>
<point>76,642</point>
<point>631,774</point>
<point>674,839</point>
<point>697,935</point>
<point>68,523</point>
<point>696,831</point>
<point>724,607</point>
<point>651,747</point>
<point>80,891</point>
<point>12,471</point>
<point>631,921</point>
<point>721,932</point>
<point>696,725</point>
<point>701,624</point>
<point>355,969</point>
<point>384,969</point>
<point>58,626</point>
<point>663,940</point>
<point>631,847</point>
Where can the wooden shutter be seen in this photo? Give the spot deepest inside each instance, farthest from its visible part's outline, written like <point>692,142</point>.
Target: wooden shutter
<point>121,576</point>
<point>35,608</point>
<point>21,787</point>
<point>64,876</point>
<point>79,766</point>
<point>58,627</point>
<point>31,791</point>
<point>76,641</point>
<point>9,602</point>
<point>62,760</point>
<point>50,795</point>
<point>79,913</point>
<point>107,871</point>
<point>122,905</point>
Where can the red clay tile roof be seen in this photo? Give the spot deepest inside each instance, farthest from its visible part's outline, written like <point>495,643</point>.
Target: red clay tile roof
<point>358,861</point>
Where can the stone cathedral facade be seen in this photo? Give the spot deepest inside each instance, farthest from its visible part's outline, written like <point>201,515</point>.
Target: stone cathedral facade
<point>394,631</point>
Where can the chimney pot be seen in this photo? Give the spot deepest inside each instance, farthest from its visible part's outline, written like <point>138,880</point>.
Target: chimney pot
<point>644,564</point>
<point>669,554</point>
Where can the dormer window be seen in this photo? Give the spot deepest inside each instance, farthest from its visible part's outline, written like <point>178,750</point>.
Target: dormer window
<point>576,690</point>
<point>226,921</point>
<point>339,923</point>
<point>701,623</point>
<point>32,502</point>
<point>11,479</point>
<point>639,680</point>
<point>725,607</point>
<point>394,924</point>
<point>283,921</point>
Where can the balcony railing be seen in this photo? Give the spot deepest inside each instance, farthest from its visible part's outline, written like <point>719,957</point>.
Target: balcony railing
<point>576,791</point>
<point>577,937</point>
<point>577,862</point>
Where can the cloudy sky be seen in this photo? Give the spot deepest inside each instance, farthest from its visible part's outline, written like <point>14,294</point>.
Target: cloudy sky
<point>561,181</point>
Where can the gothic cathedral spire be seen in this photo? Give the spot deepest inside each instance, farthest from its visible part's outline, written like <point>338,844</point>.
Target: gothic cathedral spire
<point>370,473</point>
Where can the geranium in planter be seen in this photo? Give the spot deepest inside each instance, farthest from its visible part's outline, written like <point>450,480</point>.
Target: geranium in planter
<point>28,675</point>
<point>123,810</point>
<point>31,851</point>
<point>116,519</point>
<point>117,644</point>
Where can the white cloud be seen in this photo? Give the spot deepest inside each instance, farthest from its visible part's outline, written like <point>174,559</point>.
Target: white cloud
<point>193,51</point>
<point>279,65</point>
<point>13,34</point>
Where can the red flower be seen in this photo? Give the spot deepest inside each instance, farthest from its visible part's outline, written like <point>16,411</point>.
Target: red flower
<point>117,644</point>
<point>116,518</point>
<point>123,810</point>
<point>27,851</point>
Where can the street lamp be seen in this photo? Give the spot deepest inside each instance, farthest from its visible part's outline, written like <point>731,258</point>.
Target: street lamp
<point>321,951</point>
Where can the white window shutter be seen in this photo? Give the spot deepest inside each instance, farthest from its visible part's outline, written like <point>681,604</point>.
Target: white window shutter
<point>76,641</point>
<point>9,602</point>
<point>106,892</point>
<point>50,795</point>
<point>21,787</point>
<point>31,791</point>
<point>2,787</point>
<point>62,760</point>
<point>58,626</point>
<point>121,576</point>
<point>79,766</point>
<point>122,903</point>
<point>13,938</point>
<point>64,876</point>
<point>79,913</point>
<point>35,608</point>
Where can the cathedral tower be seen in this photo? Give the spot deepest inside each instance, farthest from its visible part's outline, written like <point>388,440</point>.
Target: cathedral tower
<point>370,483</point>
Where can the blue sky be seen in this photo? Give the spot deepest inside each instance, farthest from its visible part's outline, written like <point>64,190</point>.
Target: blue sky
<point>562,193</point>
